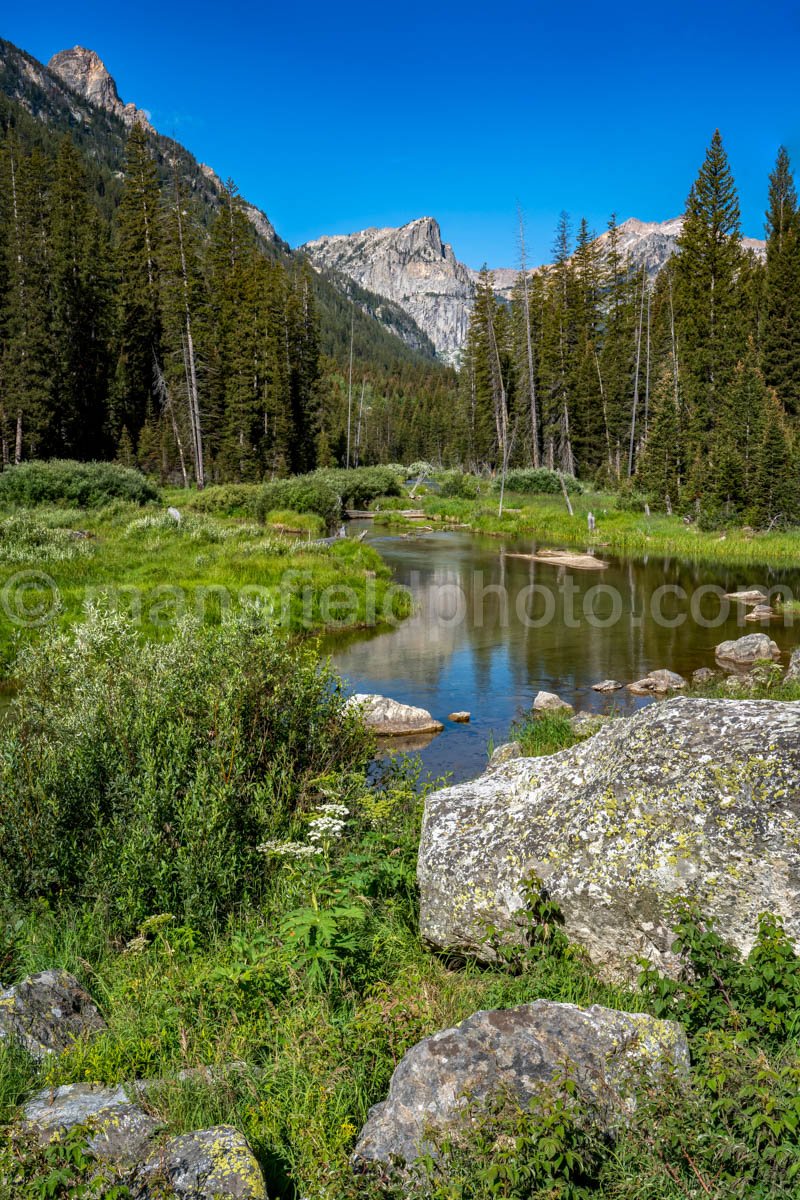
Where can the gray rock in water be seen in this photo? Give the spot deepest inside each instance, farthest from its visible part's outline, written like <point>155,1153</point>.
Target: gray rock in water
<point>512,1053</point>
<point>119,1129</point>
<point>550,702</point>
<point>389,718</point>
<point>744,651</point>
<point>48,1011</point>
<point>212,1164</point>
<point>703,676</point>
<point>607,685</point>
<point>689,796</point>
<point>657,683</point>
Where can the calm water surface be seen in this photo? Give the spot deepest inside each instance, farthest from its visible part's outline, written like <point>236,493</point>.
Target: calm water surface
<point>489,631</point>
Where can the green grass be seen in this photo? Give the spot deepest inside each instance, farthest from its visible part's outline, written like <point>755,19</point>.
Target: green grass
<point>621,532</point>
<point>141,560</point>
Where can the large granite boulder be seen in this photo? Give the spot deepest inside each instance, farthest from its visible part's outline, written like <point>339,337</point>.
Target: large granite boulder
<point>744,651</point>
<point>690,796</point>
<point>513,1053</point>
<point>48,1011</point>
<point>119,1129</point>
<point>388,718</point>
<point>212,1164</point>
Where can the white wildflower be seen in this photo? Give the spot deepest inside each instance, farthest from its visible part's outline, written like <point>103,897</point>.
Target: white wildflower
<point>288,849</point>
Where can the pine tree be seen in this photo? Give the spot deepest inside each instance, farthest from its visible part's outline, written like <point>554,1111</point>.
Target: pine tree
<point>708,296</point>
<point>138,264</point>
<point>777,499</point>
<point>781,340</point>
<point>661,469</point>
<point>26,362</point>
<point>81,288</point>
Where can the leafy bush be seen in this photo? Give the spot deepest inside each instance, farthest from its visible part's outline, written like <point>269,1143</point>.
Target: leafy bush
<point>144,775</point>
<point>628,500</point>
<point>359,486</point>
<point>302,494</point>
<point>84,485</point>
<point>457,483</point>
<point>225,499</point>
<point>305,525</point>
<point>538,482</point>
<point>419,470</point>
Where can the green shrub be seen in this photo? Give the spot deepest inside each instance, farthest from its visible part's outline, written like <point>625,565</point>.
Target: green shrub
<point>461,485</point>
<point>83,485</point>
<point>359,486</point>
<point>225,499</point>
<point>628,500</point>
<point>540,481</point>
<point>302,494</point>
<point>143,775</point>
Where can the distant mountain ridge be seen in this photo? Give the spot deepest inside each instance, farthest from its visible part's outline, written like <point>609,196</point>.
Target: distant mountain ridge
<point>412,266</point>
<point>76,94</point>
<point>416,268</point>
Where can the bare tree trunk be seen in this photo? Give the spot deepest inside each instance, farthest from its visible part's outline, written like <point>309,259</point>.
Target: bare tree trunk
<point>167,405</point>
<point>350,388</point>
<point>636,379</point>
<point>647,371</point>
<point>567,500</point>
<point>189,354</point>
<point>529,344</point>
<point>605,409</point>
<point>358,422</point>
<point>18,440</point>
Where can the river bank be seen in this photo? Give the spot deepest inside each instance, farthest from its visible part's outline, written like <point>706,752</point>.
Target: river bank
<point>629,533</point>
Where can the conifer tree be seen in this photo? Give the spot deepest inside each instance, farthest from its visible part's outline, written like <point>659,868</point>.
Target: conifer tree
<point>781,339</point>
<point>138,262</point>
<point>81,291</point>
<point>708,297</point>
<point>777,499</point>
<point>26,359</point>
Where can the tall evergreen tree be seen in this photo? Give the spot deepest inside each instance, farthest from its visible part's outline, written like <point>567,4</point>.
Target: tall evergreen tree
<point>708,294</point>
<point>138,262</point>
<point>781,338</point>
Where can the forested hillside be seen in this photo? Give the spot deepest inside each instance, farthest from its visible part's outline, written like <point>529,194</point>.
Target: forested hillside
<point>687,388</point>
<point>148,313</point>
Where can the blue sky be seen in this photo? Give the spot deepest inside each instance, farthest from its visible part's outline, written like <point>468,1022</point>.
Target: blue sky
<point>333,117</point>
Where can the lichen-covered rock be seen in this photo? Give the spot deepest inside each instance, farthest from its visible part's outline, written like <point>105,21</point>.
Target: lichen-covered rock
<point>513,1053</point>
<point>48,1011</point>
<point>390,718</point>
<point>793,671</point>
<point>689,796</point>
<point>212,1164</point>
<point>744,651</point>
<point>504,754</point>
<point>119,1129</point>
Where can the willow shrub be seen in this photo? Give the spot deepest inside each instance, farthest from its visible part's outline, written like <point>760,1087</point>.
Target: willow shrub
<point>78,484</point>
<point>140,777</point>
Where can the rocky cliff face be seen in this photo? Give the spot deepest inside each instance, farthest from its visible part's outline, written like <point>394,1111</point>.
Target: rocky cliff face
<point>411,266</point>
<point>420,272</point>
<point>84,72</point>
